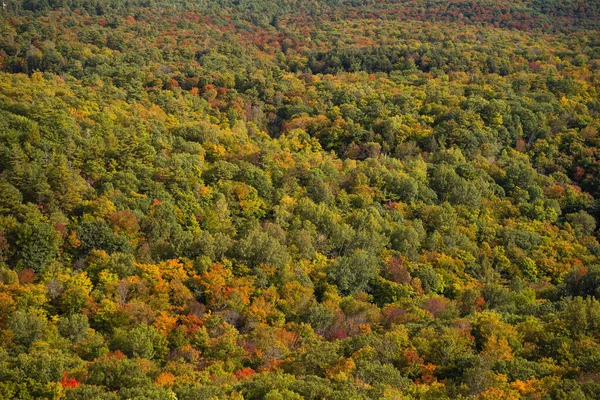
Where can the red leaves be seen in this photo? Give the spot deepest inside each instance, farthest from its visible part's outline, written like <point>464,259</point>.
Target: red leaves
<point>68,382</point>
<point>27,276</point>
<point>436,305</point>
<point>337,334</point>
<point>396,267</point>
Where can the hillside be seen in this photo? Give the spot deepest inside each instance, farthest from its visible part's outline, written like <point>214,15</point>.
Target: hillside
<point>304,199</point>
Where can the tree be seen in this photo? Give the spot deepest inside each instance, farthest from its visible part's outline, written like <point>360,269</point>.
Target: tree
<point>353,272</point>
<point>38,245</point>
<point>143,341</point>
<point>582,222</point>
<point>73,327</point>
<point>28,326</point>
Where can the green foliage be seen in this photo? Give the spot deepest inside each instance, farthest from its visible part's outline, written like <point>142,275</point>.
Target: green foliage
<point>114,372</point>
<point>28,326</point>
<point>143,341</point>
<point>352,273</point>
<point>73,327</point>
<point>38,244</point>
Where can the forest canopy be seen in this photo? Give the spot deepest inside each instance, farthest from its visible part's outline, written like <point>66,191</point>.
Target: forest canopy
<point>308,199</point>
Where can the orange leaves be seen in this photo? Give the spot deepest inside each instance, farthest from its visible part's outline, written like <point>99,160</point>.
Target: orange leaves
<point>165,379</point>
<point>72,240</point>
<point>214,282</point>
<point>529,388</point>
<point>124,221</point>
<point>554,192</point>
<point>204,191</point>
<point>343,370</point>
<point>263,308</point>
<point>192,322</point>
<point>427,374</point>
<point>411,363</point>
<point>287,338</point>
<point>172,84</point>
<point>165,323</point>
<point>222,289</point>
<point>308,124</point>
<point>244,373</point>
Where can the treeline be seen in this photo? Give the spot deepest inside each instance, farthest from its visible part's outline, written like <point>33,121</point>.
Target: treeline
<point>530,14</point>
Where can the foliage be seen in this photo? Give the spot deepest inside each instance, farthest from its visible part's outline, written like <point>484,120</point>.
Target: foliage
<point>340,199</point>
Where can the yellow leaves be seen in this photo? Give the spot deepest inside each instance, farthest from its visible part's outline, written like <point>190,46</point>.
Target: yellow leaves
<point>181,296</point>
<point>295,297</point>
<point>215,279</point>
<point>564,101</point>
<point>497,348</point>
<point>76,293</point>
<point>259,309</point>
<point>215,151</point>
<point>107,279</point>
<point>288,202</point>
<point>366,193</point>
<point>391,393</point>
<point>495,393</point>
<point>263,307</point>
<point>491,328</point>
<point>37,76</point>
<point>240,294</point>
<point>7,305</point>
<point>171,121</point>
<point>81,282</point>
<point>342,370</point>
<point>102,207</point>
<point>87,52</point>
<point>175,269</point>
<point>241,191</point>
<point>444,261</point>
<point>366,352</point>
<point>149,272</point>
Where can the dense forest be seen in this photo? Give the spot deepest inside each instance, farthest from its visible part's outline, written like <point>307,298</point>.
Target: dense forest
<point>301,199</point>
